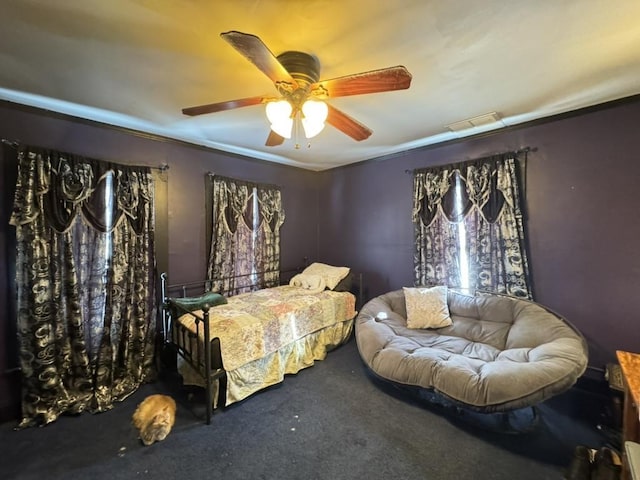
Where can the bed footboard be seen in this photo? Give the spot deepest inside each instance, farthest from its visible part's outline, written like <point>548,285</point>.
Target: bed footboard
<point>205,356</point>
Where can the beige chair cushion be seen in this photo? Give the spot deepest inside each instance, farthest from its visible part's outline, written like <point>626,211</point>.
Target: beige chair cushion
<point>499,353</point>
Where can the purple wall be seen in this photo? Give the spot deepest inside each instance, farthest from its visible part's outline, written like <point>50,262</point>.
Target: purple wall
<point>581,200</point>
<point>188,166</point>
<point>583,221</point>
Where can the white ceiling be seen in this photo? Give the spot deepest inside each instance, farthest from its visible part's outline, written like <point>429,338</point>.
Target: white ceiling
<point>137,63</point>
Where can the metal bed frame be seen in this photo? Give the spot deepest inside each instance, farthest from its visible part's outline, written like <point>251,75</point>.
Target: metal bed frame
<point>204,357</point>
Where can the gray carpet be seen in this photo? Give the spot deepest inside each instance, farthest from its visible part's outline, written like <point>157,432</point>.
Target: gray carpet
<point>331,421</point>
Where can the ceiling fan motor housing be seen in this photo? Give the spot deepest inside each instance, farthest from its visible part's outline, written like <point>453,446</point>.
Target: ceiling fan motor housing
<point>303,67</point>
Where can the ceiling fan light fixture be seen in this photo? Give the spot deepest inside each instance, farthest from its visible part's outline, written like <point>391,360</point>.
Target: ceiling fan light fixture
<point>296,76</point>
<point>279,115</point>
<point>314,115</point>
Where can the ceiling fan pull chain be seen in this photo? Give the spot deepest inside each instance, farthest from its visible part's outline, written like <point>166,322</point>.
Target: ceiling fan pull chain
<point>296,130</point>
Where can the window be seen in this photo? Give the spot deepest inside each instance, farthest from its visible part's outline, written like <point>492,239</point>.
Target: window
<point>85,270</point>
<point>245,235</point>
<point>468,226</point>
<point>462,251</point>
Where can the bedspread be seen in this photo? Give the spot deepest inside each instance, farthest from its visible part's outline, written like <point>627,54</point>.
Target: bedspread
<point>253,325</point>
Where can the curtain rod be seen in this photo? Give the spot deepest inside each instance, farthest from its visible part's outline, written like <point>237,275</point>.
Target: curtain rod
<point>515,152</point>
<point>269,185</point>
<point>11,143</point>
<point>163,167</point>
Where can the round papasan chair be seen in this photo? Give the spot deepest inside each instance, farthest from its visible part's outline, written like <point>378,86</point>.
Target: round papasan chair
<point>495,353</point>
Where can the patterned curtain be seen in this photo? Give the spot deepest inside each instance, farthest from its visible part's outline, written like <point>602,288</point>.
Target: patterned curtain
<point>436,239</point>
<point>85,276</point>
<point>468,217</point>
<point>245,244</point>
<point>267,252</point>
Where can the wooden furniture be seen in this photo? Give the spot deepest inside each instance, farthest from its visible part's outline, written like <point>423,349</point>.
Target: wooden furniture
<point>630,366</point>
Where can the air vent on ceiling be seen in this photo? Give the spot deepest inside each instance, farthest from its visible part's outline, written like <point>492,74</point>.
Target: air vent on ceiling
<point>479,121</point>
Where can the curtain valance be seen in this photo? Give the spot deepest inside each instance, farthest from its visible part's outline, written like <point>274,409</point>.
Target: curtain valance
<point>485,182</point>
<point>233,197</point>
<point>62,186</point>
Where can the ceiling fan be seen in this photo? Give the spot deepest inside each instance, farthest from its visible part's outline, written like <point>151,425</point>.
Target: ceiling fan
<point>302,95</point>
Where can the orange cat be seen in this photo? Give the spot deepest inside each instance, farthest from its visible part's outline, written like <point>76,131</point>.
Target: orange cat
<point>154,417</point>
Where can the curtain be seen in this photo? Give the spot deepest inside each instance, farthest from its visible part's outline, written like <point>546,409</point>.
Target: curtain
<point>245,243</point>
<point>85,279</point>
<point>468,223</point>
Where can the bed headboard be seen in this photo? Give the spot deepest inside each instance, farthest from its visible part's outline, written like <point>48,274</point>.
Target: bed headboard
<point>199,287</point>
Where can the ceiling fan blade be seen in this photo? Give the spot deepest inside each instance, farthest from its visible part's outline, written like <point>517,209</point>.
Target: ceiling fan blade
<point>221,106</point>
<point>273,140</point>
<point>347,125</point>
<point>383,80</point>
<point>259,54</point>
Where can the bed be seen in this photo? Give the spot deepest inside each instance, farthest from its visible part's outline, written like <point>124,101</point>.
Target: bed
<point>235,346</point>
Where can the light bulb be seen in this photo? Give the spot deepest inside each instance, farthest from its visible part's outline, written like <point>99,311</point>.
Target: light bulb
<point>314,114</point>
<point>279,115</point>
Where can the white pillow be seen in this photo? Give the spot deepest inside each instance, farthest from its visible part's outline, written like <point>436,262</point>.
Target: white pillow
<point>331,275</point>
<point>427,307</point>
<point>312,283</point>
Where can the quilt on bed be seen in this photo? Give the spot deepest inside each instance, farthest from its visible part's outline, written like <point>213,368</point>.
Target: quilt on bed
<point>254,325</point>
